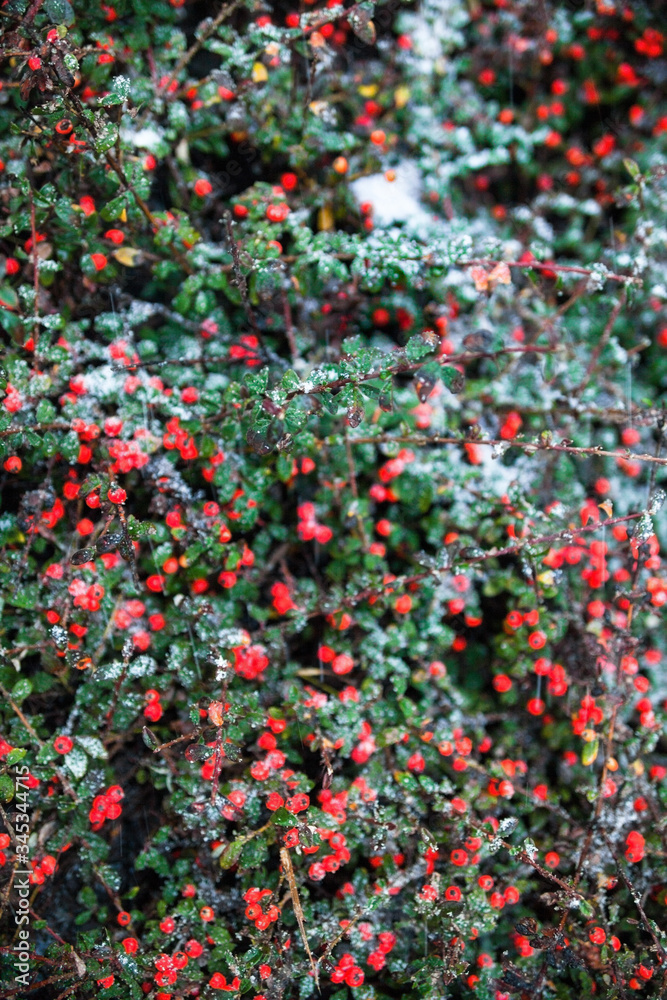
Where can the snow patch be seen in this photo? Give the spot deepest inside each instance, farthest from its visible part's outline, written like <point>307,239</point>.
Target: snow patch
<point>395,201</point>
<point>144,138</point>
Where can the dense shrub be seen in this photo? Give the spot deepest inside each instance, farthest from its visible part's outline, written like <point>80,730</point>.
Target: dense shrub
<point>332,440</point>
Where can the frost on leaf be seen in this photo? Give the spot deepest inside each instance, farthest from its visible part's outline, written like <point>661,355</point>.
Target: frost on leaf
<point>355,415</point>
<point>82,556</point>
<point>656,500</point>
<point>361,23</point>
<point>643,528</point>
<point>424,384</point>
<point>197,752</point>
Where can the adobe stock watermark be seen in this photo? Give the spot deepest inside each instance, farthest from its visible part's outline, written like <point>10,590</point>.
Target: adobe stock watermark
<point>22,875</point>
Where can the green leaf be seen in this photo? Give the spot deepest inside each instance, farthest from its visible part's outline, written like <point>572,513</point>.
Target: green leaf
<point>257,383</point>
<point>106,137</point>
<point>8,297</point>
<point>284,467</point>
<point>150,740</point>
<point>59,11</point>
<point>232,853</point>
<point>6,788</point>
<point>590,752</point>
<point>25,597</point>
<point>329,401</point>
<point>15,755</point>
<point>290,381</point>
<point>632,168</point>
<point>120,91</point>
<point>452,378</point>
<point>33,438</point>
<point>295,418</point>
<point>140,529</point>
<point>46,411</point>
<point>21,689</point>
<point>417,348</point>
<point>115,208</point>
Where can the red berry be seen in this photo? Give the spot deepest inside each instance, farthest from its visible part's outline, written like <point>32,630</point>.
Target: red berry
<point>99,261</point>
<point>62,744</point>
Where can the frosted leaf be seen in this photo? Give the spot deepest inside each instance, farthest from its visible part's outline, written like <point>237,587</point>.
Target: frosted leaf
<point>597,278</point>
<point>507,825</point>
<point>355,415</point>
<point>530,848</point>
<point>59,635</point>
<point>76,762</point>
<point>141,666</point>
<point>229,637</point>
<point>82,556</point>
<point>197,752</point>
<point>656,500</point>
<point>93,746</point>
<point>643,528</point>
<point>360,21</point>
<point>121,85</point>
<point>424,384</point>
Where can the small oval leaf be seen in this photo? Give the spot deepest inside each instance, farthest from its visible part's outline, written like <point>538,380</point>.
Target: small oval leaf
<point>149,738</point>
<point>198,752</point>
<point>82,556</point>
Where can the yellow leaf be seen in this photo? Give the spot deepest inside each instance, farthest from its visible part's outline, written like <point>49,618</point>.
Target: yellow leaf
<point>401,96</point>
<point>127,256</point>
<point>607,507</point>
<point>590,752</point>
<point>123,215</point>
<point>368,90</point>
<point>260,74</point>
<point>325,219</point>
<point>317,107</point>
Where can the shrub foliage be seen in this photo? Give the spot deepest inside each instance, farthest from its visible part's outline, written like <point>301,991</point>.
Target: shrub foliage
<point>332,439</point>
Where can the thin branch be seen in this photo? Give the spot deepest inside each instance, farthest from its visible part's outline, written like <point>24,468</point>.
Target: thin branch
<point>636,899</point>
<point>239,276</point>
<point>493,553</point>
<point>534,265</point>
<point>298,910</point>
<point>422,440</point>
<point>602,342</point>
<point>204,31</point>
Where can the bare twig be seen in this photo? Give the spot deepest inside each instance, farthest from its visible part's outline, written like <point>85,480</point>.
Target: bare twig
<point>298,910</point>
<point>423,440</point>
<point>204,32</point>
